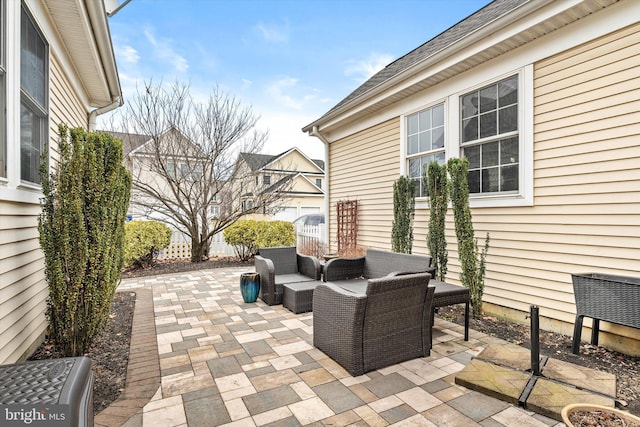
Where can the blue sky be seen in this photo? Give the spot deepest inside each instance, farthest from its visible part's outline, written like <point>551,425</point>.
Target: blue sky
<point>291,61</point>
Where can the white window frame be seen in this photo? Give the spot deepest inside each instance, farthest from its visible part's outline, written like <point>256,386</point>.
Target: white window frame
<point>32,104</point>
<point>12,188</point>
<point>408,156</point>
<point>524,196</point>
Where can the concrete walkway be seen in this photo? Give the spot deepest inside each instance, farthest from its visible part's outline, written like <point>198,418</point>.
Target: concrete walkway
<point>222,362</point>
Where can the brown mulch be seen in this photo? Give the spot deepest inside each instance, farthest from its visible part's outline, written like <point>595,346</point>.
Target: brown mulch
<point>557,346</point>
<point>110,351</point>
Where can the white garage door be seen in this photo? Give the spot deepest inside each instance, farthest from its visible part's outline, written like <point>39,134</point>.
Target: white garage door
<point>287,214</point>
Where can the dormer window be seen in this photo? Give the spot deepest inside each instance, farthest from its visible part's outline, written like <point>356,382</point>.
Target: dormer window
<point>266,180</point>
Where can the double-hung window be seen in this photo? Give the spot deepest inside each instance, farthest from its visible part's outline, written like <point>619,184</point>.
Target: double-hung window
<point>489,137</point>
<point>3,93</point>
<point>425,143</point>
<point>34,109</point>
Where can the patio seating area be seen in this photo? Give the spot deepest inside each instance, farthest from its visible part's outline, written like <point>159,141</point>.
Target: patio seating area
<point>226,362</point>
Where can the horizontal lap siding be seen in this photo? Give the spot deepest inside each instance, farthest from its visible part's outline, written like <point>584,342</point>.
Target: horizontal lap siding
<point>586,182</point>
<point>23,289</point>
<point>369,180</point>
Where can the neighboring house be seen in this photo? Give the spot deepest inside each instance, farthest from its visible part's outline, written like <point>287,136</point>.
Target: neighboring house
<point>295,178</point>
<point>56,66</point>
<point>181,160</point>
<point>543,98</point>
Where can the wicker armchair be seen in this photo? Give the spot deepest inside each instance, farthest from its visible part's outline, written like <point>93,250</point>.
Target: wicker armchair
<point>282,265</point>
<point>374,264</point>
<point>389,323</point>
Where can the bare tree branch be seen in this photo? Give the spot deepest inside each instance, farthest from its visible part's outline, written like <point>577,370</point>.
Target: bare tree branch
<point>190,162</point>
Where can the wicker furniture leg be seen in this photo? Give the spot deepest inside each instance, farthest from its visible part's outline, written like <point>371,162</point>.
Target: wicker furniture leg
<point>577,333</point>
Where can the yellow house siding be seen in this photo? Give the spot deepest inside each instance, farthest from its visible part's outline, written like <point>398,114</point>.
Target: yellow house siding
<point>369,180</point>
<point>23,289</point>
<point>586,183</point>
<point>66,106</point>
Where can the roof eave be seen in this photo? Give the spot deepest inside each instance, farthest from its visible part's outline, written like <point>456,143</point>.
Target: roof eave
<point>428,62</point>
<point>84,30</point>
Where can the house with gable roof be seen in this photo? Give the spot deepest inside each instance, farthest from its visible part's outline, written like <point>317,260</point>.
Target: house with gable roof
<point>543,98</point>
<point>297,179</point>
<point>57,65</point>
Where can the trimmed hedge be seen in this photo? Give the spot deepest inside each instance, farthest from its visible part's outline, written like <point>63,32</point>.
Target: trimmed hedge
<point>247,236</point>
<point>143,241</point>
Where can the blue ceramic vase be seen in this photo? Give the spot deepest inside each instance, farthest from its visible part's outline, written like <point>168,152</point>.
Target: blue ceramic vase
<point>249,286</point>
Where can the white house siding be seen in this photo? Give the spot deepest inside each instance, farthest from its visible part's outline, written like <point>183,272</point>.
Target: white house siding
<point>23,289</point>
<point>369,180</point>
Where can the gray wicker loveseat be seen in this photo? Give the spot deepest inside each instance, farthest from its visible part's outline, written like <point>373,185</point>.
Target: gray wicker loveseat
<point>280,266</point>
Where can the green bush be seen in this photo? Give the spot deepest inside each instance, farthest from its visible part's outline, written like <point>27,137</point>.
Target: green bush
<point>275,233</point>
<point>242,236</point>
<point>438,199</point>
<point>82,234</point>
<point>472,258</point>
<point>143,240</point>
<point>404,207</point>
<point>247,236</point>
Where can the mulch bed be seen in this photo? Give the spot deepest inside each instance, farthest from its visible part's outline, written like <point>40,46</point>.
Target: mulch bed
<point>110,350</point>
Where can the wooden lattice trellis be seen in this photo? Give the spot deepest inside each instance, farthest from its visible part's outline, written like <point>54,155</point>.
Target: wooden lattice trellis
<point>347,224</point>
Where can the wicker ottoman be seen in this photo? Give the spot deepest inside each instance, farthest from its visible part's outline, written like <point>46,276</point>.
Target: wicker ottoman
<point>298,297</point>
<point>448,294</point>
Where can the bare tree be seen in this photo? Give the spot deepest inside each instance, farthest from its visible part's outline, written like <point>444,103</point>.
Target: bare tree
<point>187,173</point>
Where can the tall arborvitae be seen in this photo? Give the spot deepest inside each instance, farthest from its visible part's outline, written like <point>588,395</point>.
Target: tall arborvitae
<point>438,199</point>
<point>82,234</point>
<point>404,206</point>
<point>472,259</point>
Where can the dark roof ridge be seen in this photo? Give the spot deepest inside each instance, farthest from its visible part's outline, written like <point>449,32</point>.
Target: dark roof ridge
<point>448,37</point>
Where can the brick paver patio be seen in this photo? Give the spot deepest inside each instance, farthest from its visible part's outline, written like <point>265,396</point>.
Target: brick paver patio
<point>220,361</point>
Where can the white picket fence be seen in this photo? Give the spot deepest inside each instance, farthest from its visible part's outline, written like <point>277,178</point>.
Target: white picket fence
<point>309,236</point>
<point>180,247</point>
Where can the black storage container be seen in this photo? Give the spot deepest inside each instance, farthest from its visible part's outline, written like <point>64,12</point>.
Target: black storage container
<point>55,392</point>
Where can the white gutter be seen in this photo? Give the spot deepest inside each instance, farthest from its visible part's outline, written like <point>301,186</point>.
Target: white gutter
<point>98,17</point>
<point>93,115</point>
<point>316,132</point>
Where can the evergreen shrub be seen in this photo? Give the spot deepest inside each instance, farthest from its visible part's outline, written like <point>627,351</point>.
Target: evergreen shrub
<point>82,234</point>
<point>143,242</point>
<point>404,206</point>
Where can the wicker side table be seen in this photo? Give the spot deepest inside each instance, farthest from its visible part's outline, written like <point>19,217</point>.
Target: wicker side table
<point>298,297</point>
<point>449,294</point>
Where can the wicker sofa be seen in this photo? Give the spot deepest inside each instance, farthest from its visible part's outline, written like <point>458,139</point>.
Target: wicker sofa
<point>367,324</point>
<point>282,265</point>
<point>374,264</point>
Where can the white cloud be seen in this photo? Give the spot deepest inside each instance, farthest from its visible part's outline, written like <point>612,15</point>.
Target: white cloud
<point>285,132</point>
<point>246,83</point>
<point>362,69</point>
<point>165,52</point>
<point>279,92</point>
<point>128,53</point>
<point>274,33</point>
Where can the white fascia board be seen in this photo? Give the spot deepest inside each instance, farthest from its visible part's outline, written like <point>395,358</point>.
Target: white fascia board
<point>614,17</point>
